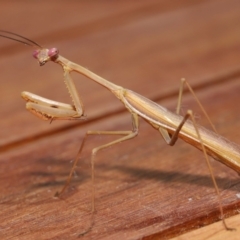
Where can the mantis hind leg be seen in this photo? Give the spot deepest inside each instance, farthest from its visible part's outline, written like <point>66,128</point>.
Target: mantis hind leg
<point>171,140</point>
<point>179,103</point>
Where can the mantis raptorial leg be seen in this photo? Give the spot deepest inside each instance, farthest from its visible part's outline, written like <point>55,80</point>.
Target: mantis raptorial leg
<point>170,125</point>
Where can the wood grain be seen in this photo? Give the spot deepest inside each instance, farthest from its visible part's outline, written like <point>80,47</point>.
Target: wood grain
<point>214,231</point>
<point>144,188</point>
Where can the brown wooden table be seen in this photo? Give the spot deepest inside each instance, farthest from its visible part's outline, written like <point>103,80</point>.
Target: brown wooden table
<point>144,188</point>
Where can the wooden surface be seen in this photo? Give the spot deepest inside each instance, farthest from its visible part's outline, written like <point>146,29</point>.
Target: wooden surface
<point>144,188</point>
<point>213,231</point>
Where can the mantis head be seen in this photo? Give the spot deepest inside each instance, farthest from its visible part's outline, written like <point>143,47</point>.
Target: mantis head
<point>44,55</point>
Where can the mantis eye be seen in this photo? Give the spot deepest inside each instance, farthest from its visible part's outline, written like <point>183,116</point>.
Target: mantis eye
<point>53,52</point>
<point>35,53</point>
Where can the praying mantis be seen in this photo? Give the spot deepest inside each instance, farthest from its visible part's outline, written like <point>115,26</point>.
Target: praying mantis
<point>171,126</point>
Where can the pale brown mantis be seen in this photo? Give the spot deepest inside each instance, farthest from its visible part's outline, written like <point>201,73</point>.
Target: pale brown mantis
<point>170,125</point>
